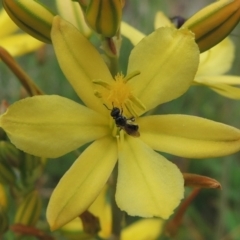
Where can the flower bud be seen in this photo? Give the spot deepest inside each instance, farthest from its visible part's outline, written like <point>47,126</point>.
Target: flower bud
<point>90,223</point>
<point>104,16</point>
<point>31,169</point>
<point>3,135</point>
<point>7,175</point>
<point>4,223</point>
<point>32,17</point>
<point>214,22</point>
<point>199,181</point>
<point>3,197</point>
<point>29,210</point>
<point>9,153</point>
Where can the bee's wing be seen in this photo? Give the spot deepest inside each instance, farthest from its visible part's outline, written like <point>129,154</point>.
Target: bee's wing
<point>132,130</point>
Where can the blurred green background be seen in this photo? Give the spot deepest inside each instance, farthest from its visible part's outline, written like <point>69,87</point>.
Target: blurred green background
<point>214,214</point>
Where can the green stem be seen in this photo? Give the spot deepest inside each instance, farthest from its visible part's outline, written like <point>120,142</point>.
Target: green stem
<point>117,214</point>
<point>114,66</point>
<point>111,49</point>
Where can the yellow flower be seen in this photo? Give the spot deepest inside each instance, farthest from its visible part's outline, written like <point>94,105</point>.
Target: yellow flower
<point>148,184</point>
<point>149,229</point>
<point>15,43</point>
<point>214,63</point>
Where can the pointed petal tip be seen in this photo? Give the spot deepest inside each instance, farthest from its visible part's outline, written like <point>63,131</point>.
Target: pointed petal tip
<point>56,23</point>
<point>52,221</point>
<point>53,228</point>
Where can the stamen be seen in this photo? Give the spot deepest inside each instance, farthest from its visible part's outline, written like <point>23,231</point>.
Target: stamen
<point>137,102</point>
<point>134,106</point>
<point>102,83</point>
<point>131,75</point>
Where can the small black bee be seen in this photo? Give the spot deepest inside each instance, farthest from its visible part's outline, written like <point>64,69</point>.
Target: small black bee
<point>123,122</point>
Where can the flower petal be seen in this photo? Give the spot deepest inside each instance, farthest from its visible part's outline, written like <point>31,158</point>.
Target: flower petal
<point>222,85</point>
<point>223,79</point>
<point>50,126</point>
<point>226,90</point>
<point>101,208</point>
<point>7,26</point>
<point>167,60</point>
<point>161,20</point>
<point>82,183</point>
<point>217,60</point>
<point>73,227</point>
<point>20,44</point>
<point>72,12</point>
<point>148,184</point>
<point>131,33</point>
<point>189,136</point>
<point>80,62</point>
<point>143,229</point>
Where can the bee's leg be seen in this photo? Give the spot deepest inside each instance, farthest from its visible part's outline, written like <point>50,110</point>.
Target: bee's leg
<point>131,119</point>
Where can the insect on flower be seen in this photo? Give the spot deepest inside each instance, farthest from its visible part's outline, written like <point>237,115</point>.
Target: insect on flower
<point>124,123</point>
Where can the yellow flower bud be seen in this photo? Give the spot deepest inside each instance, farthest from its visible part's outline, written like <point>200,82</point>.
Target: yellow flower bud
<point>29,210</point>
<point>31,16</point>
<point>214,22</point>
<point>104,16</point>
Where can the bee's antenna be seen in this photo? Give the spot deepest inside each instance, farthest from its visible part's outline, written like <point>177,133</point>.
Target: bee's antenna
<point>107,107</point>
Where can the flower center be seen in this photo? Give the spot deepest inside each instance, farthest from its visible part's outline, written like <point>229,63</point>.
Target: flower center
<point>120,95</point>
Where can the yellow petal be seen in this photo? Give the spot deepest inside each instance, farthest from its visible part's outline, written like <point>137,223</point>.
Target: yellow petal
<point>161,20</point>
<point>74,226</point>
<point>101,209</point>
<point>222,85</point>
<point>50,126</point>
<point>7,26</point>
<point>80,62</point>
<point>148,184</point>
<point>189,136</point>
<point>217,60</point>
<point>223,89</point>
<point>72,12</point>
<point>227,91</point>
<point>131,33</point>
<point>167,60</point>
<point>82,183</point>
<point>223,79</point>
<point>144,229</point>
<point>20,44</point>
